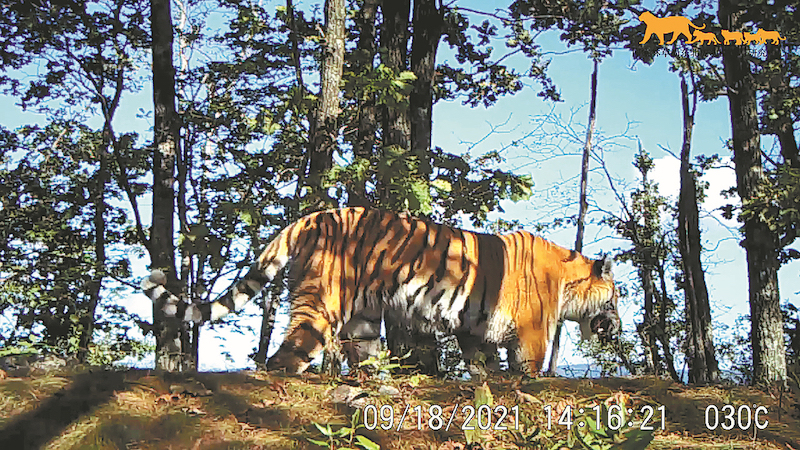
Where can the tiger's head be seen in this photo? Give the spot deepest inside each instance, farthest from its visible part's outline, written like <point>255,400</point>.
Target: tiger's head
<point>592,301</point>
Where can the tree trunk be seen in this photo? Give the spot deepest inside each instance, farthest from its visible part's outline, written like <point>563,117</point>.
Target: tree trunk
<point>169,349</point>
<point>647,327</point>
<point>761,246</point>
<point>364,141</point>
<point>427,24</point>
<point>96,285</point>
<point>702,361</point>
<point>582,207</point>
<point>188,272</point>
<point>269,304</point>
<point>323,129</point>
<point>646,259</point>
<point>779,88</point>
<point>394,40</point>
<point>397,133</point>
<point>587,149</point>
<point>109,108</point>
<point>662,326</point>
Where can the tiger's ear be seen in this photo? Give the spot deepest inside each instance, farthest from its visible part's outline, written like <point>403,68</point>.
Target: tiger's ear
<point>604,268</point>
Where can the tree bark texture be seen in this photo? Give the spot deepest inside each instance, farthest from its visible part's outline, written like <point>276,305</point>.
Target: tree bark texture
<point>96,285</point>
<point>323,129</point>
<point>702,360</point>
<point>394,42</point>
<point>778,92</point>
<point>270,305</point>
<point>427,24</point>
<point>662,326</point>
<point>761,246</point>
<point>169,351</point>
<point>365,135</point>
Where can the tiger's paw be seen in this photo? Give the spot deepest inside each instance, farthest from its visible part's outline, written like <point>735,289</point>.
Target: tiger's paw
<point>292,363</point>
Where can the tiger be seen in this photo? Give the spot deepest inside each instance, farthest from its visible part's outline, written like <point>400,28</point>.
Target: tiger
<point>735,37</point>
<point>351,268</point>
<point>662,26</point>
<point>764,36</point>
<point>705,38</point>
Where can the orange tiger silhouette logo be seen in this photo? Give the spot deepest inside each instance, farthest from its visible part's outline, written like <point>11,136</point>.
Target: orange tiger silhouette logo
<point>751,38</point>
<point>705,38</point>
<point>735,37</point>
<point>351,267</point>
<point>662,26</point>
<point>763,36</point>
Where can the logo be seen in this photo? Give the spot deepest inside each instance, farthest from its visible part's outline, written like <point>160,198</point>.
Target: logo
<point>682,26</point>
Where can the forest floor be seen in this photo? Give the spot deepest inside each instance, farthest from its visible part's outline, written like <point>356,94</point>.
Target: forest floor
<point>141,409</point>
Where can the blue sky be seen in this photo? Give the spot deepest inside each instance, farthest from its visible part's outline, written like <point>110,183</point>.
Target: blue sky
<point>643,99</point>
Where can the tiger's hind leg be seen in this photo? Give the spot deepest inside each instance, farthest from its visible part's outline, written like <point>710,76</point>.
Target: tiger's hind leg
<point>361,337</point>
<point>417,350</point>
<point>424,348</point>
<point>516,363</point>
<point>308,333</point>
<point>481,357</point>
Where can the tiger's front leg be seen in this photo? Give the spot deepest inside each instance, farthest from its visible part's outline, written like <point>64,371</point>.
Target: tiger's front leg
<point>308,332</point>
<point>532,347</point>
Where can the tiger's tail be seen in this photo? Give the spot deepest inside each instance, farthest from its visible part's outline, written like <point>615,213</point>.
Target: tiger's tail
<point>270,262</point>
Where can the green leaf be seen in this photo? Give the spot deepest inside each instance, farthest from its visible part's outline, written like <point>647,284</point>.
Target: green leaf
<point>442,185</point>
<point>636,440</point>
<point>344,431</point>
<point>474,435</point>
<point>406,76</point>
<point>246,217</point>
<point>592,426</point>
<point>326,430</point>
<point>366,443</point>
<point>483,396</point>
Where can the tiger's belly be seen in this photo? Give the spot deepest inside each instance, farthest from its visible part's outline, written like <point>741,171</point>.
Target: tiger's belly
<point>429,307</point>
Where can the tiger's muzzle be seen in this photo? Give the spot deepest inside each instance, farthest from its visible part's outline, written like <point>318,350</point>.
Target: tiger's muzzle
<point>606,324</point>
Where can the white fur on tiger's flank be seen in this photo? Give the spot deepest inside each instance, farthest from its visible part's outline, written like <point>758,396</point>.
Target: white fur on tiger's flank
<point>352,266</point>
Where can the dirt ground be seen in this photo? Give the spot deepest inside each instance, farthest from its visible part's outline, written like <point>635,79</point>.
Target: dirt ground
<point>255,410</point>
